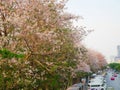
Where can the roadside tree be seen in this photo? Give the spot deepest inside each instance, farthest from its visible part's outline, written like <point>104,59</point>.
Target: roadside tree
<point>38,50</point>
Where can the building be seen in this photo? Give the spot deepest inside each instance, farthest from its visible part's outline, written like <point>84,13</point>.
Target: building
<point>118,51</point>
<point>117,58</point>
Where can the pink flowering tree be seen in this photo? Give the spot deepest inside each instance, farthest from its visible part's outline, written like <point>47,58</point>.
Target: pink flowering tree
<point>96,60</point>
<point>39,46</point>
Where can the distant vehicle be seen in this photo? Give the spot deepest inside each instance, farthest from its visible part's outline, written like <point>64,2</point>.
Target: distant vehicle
<point>112,78</point>
<point>115,75</point>
<point>110,88</point>
<point>93,75</point>
<point>117,72</point>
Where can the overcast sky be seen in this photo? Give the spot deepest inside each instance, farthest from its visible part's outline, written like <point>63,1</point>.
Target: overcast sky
<point>104,17</point>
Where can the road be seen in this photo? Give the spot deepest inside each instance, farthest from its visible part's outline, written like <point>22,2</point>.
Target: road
<point>113,83</point>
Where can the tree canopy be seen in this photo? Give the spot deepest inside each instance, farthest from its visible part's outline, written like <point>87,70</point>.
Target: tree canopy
<point>40,48</point>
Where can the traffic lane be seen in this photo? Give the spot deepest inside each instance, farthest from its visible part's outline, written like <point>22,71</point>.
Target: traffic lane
<point>113,83</point>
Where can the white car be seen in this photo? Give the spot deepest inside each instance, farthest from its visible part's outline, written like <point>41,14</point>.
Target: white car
<point>98,83</point>
<point>110,88</point>
<point>97,86</point>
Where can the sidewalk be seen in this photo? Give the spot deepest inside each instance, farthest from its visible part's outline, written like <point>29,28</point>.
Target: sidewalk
<point>85,86</point>
<point>78,86</point>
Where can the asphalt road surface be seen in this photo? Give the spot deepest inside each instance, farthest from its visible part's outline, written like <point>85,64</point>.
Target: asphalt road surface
<point>113,83</point>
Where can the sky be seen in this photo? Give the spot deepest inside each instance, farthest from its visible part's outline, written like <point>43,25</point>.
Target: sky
<point>104,17</point>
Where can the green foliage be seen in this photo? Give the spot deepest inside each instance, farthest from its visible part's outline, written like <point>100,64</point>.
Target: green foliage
<point>83,74</point>
<point>7,54</point>
<point>115,66</point>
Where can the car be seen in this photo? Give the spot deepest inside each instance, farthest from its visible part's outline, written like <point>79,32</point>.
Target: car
<point>112,78</point>
<point>115,75</point>
<point>110,88</point>
<point>98,83</point>
<point>117,72</point>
